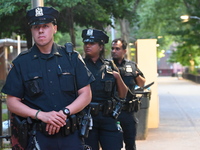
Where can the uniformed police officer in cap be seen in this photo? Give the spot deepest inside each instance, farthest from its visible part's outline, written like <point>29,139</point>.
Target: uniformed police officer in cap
<point>42,85</point>
<point>131,76</point>
<point>104,132</point>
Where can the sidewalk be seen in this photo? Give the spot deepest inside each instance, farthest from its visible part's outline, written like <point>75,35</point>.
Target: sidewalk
<point>179,127</point>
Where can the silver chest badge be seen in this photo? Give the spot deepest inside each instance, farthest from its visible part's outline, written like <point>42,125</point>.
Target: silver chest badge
<point>128,68</point>
<point>38,12</point>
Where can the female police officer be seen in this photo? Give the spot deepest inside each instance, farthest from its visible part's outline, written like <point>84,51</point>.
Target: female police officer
<point>104,129</point>
<point>41,84</point>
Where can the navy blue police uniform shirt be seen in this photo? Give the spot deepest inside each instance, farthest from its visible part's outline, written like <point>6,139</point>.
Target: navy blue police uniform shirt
<point>102,75</point>
<point>127,71</point>
<point>53,76</point>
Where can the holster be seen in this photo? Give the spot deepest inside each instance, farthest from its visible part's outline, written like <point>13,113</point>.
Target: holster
<point>86,124</point>
<point>20,130</point>
<point>137,104</point>
<point>130,106</point>
<point>71,125</point>
<point>67,128</point>
<point>73,122</point>
<point>107,107</point>
<point>95,108</point>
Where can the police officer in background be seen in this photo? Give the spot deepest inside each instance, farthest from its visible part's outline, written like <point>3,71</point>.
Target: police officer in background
<point>41,86</point>
<point>104,132</point>
<point>131,76</point>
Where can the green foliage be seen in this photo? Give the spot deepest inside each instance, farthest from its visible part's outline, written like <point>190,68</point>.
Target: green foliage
<point>12,14</point>
<point>8,7</point>
<point>148,19</point>
<point>185,54</point>
<point>162,18</point>
<point>188,32</point>
<point>83,13</point>
<point>64,3</point>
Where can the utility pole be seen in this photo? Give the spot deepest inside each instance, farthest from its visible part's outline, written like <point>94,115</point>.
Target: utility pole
<point>36,3</point>
<point>112,29</point>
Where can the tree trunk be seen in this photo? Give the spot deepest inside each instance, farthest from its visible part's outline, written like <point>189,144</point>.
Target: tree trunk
<point>124,26</point>
<point>70,21</point>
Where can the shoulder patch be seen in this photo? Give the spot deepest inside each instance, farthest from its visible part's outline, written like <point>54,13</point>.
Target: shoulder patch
<point>81,58</point>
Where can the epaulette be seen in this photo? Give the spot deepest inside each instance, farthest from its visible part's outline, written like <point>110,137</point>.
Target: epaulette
<point>25,52</point>
<point>107,61</point>
<point>130,61</point>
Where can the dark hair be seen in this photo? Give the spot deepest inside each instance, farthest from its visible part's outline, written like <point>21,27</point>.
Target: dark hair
<point>102,52</point>
<point>124,44</point>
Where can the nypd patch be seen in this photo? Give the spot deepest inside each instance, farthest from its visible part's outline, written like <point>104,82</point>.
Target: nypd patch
<point>38,12</point>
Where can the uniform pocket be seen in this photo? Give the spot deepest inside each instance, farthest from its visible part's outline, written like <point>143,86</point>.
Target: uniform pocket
<point>33,84</point>
<point>67,82</point>
<point>108,84</point>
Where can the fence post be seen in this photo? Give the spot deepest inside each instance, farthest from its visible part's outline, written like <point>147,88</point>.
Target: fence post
<point>1,96</point>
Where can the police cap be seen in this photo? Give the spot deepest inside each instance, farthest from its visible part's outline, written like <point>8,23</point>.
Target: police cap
<point>42,15</point>
<point>93,35</point>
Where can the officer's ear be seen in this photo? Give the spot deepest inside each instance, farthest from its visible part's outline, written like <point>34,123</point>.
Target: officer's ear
<point>55,29</point>
<point>101,47</point>
<point>125,51</point>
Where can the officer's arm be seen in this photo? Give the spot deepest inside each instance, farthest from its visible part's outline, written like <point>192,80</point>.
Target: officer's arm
<point>140,80</point>
<point>121,87</point>
<point>16,106</point>
<point>83,99</point>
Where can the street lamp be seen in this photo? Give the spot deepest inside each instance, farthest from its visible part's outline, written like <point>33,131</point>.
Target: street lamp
<point>185,18</point>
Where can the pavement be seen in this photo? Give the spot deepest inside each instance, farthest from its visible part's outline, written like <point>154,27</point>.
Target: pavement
<point>179,122</point>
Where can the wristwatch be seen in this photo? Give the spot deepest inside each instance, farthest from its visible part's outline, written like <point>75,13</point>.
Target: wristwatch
<point>66,111</point>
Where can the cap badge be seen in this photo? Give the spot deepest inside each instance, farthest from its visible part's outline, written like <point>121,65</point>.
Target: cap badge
<point>38,12</point>
<point>89,32</point>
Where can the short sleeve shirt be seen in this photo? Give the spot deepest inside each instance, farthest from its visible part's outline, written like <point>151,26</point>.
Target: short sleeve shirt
<point>47,81</point>
<point>104,85</point>
<point>127,70</point>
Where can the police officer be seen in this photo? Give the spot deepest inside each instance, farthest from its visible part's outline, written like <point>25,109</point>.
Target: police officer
<point>41,85</point>
<point>104,131</point>
<point>131,76</point>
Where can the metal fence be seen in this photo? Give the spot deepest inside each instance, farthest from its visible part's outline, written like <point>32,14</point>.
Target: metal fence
<point>192,77</point>
<point>5,125</point>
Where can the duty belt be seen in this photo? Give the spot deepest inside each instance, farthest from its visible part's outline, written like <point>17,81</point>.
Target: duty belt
<point>72,124</point>
<point>106,107</point>
<point>132,105</point>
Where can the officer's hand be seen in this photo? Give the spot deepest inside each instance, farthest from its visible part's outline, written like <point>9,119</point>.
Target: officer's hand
<point>52,129</point>
<point>116,74</point>
<point>54,118</point>
<point>135,73</point>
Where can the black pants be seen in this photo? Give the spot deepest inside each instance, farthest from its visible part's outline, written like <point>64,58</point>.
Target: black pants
<point>105,133</point>
<point>128,123</point>
<point>59,142</point>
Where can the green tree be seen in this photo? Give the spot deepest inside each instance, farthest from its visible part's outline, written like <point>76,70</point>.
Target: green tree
<point>188,51</point>
<point>161,18</point>
<point>87,13</point>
